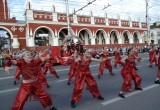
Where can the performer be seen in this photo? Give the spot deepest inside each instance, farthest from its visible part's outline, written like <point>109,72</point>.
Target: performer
<point>73,67</point>
<point>84,75</point>
<point>128,73</point>
<point>157,81</point>
<point>105,64</point>
<point>41,76</point>
<point>117,57</point>
<point>30,83</point>
<point>152,56</point>
<point>135,55</point>
<point>48,65</point>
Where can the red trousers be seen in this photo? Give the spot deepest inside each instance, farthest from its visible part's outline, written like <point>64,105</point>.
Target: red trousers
<point>104,65</point>
<point>72,73</point>
<point>24,92</point>
<point>118,62</point>
<point>81,78</point>
<point>153,60</point>
<point>136,78</point>
<point>129,74</point>
<point>42,78</point>
<point>51,69</point>
<point>127,80</point>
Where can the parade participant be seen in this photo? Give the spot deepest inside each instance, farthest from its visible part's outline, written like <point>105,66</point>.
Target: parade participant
<point>84,75</point>
<point>117,57</point>
<point>105,64</point>
<point>135,55</point>
<point>37,66</point>
<point>48,65</point>
<point>128,73</point>
<point>157,81</point>
<point>73,67</point>
<point>30,82</point>
<point>152,56</point>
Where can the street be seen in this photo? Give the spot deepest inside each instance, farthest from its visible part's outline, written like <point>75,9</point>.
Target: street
<point>109,86</point>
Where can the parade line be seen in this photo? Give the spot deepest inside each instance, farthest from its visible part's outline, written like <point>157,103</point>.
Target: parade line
<point>128,95</point>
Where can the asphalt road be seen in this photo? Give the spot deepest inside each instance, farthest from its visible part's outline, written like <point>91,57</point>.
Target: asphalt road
<point>61,93</point>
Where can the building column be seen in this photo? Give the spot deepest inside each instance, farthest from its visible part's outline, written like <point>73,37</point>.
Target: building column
<point>30,42</point>
<point>131,40</point>
<point>107,40</point>
<point>119,40</point>
<point>15,43</point>
<point>140,40</point>
<point>55,41</point>
<point>93,42</point>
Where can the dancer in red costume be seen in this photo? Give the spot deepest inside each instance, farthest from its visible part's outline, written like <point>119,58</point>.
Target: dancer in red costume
<point>48,66</point>
<point>157,81</point>
<point>73,67</point>
<point>84,75</point>
<point>117,57</point>
<point>135,54</point>
<point>41,76</point>
<point>152,56</point>
<point>30,82</point>
<point>128,73</point>
<point>105,64</point>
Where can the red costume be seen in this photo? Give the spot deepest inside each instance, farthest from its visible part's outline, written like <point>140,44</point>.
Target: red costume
<point>152,56</point>
<point>73,69</point>
<point>158,74</point>
<point>136,55</point>
<point>41,76</point>
<point>84,75</point>
<point>47,66</point>
<point>117,58</point>
<point>105,64</point>
<point>29,73</point>
<point>128,73</point>
<point>17,74</point>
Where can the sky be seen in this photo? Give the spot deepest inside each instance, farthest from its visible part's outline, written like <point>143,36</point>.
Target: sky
<point>136,9</point>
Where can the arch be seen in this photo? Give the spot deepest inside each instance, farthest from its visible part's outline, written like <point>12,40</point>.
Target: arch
<point>86,35</point>
<point>114,35</point>
<point>7,30</point>
<point>100,36</point>
<point>136,37</point>
<point>44,27</point>
<point>6,40</point>
<point>43,40</point>
<point>126,36</point>
<point>72,32</point>
<point>62,33</point>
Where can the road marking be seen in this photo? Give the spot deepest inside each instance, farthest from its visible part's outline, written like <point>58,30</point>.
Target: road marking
<point>6,77</point>
<point>8,90</point>
<point>129,95</point>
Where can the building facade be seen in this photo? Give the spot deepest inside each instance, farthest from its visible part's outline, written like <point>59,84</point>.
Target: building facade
<point>155,33</point>
<point>44,28</point>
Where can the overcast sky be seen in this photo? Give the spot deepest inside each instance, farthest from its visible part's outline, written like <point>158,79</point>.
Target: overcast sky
<point>136,9</point>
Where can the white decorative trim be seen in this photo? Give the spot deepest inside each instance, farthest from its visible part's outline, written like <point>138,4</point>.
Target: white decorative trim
<point>88,25</point>
<point>12,24</point>
<point>13,28</point>
<point>21,29</point>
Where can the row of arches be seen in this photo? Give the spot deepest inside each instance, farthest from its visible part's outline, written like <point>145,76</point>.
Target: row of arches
<point>44,36</point>
<point>86,35</point>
